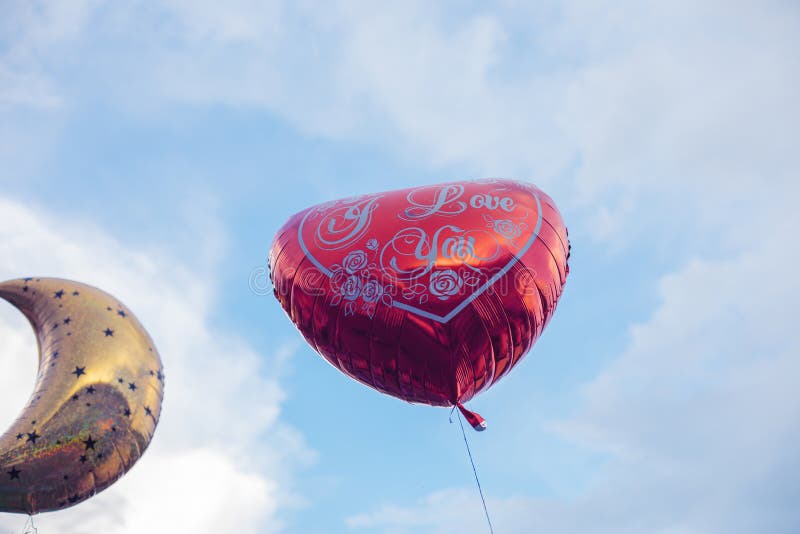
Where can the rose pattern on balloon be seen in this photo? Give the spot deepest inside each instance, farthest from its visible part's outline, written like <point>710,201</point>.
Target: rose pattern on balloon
<point>355,281</point>
<point>371,291</point>
<point>354,261</point>
<point>351,289</point>
<point>506,228</point>
<point>445,284</point>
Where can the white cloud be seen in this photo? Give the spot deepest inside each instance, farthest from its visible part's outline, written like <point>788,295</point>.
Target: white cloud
<point>221,455</point>
<point>33,30</point>
<point>684,123</point>
<point>408,75</point>
<point>698,418</point>
<point>444,511</point>
<point>680,107</point>
<point>672,126</point>
<point>198,490</point>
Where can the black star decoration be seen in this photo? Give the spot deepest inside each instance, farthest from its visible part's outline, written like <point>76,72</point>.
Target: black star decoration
<point>132,386</point>
<point>108,332</point>
<point>127,412</point>
<point>75,293</point>
<point>121,313</point>
<point>32,437</point>
<point>73,498</point>
<point>14,473</point>
<point>120,380</point>
<point>27,279</point>
<point>90,390</point>
<point>55,355</point>
<point>20,435</point>
<point>79,371</point>
<point>82,459</point>
<point>25,289</point>
<point>147,410</point>
<point>58,294</point>
<point>89,443</point>
<point>67,320</point>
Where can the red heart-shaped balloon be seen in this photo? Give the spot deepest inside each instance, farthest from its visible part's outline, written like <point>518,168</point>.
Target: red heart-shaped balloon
<point>428,294</point>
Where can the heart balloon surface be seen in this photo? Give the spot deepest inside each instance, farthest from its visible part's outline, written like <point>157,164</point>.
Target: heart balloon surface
<point>429,294</point>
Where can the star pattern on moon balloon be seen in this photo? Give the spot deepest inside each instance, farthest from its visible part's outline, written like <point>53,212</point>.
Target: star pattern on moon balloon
<point>96,401</point>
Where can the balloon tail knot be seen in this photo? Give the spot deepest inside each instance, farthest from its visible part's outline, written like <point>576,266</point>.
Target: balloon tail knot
<point>475,420</point>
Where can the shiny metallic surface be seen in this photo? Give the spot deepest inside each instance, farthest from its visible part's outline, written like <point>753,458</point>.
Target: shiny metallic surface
<point>429,294</point>
<point>96,400</point>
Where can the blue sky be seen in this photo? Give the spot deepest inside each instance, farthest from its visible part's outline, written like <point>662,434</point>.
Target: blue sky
<point>153,149</point>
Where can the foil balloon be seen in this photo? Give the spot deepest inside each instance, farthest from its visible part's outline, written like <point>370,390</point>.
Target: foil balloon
<point>96,400</point>
<point>430,294</point>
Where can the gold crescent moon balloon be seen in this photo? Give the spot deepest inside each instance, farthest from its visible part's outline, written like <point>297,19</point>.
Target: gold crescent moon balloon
<point>96,400</point>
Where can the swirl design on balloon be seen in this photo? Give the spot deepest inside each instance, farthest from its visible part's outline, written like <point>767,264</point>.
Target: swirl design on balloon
<point>442,201</point>
<point>431,258</point>
<point>445,284</point>
<point>345,222</point>
<point>354,261</point>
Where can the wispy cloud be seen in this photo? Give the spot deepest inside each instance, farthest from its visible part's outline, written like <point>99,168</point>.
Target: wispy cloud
<point>608,107</point>
<point>681,119</point>
<point>221,456</point>
<point>664,130</point>
<point>698,418</point>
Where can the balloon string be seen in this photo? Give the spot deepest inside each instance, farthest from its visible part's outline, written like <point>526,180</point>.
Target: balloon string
<point>474,471</point>
<point>32,529</point>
